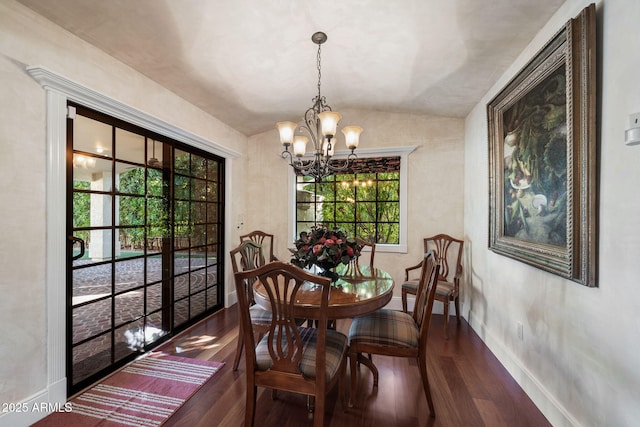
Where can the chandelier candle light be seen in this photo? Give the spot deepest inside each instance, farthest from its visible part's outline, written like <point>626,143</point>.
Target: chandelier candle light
<point>320,124</point>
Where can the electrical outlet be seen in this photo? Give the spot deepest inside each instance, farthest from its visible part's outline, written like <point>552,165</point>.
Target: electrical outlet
<point>520,331</point>
<point>632,135</point>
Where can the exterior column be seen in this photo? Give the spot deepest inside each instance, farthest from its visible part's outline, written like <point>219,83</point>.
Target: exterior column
<point>101,213</point>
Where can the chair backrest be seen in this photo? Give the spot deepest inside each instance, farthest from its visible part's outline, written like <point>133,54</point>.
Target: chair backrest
<point>426,295</point>
<point>263,239</point>
<point>353,269</point>
<point>282,282</point>
<point>247,256</point>
<point>372,251</point>
<point>448,251</point>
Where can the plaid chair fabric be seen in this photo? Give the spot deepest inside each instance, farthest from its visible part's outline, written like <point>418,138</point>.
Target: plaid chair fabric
<point>336,350</point>
<point>444,289</point>
<point>411,285</point>
<point>385,327</point>
<point>259,316</point>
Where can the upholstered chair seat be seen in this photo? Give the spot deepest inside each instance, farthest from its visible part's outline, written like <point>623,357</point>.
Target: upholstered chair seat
<point>443,290</point>
<point>259,316</point>
<point>336,351</point>
<point>410,286</point>
<point>386,327</point>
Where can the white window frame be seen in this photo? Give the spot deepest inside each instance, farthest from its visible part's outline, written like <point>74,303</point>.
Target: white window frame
<point>403,153</point>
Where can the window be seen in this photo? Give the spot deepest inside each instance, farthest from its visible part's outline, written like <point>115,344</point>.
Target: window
<point>368,201</point>
<point>364,201</point>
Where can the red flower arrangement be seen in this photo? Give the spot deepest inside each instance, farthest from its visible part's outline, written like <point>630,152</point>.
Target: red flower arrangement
<point>325,248</point>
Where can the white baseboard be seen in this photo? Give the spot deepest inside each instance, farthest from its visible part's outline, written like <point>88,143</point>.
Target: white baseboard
<point>541,397</point>
<point>232,298</point>
<point>36,407</point>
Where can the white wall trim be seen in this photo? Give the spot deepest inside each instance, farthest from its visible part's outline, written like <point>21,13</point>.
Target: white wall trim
<point>541,397</point>
<point>230,288</point>
<point>37,406</point>
<point>99,102</point>
<point>56,120</point>
<point>59,90</point>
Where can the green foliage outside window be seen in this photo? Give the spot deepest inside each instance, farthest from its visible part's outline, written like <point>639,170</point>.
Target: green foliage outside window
<point>81,209</point>
<point>131,204</point>
<point>132,207</point>
<point>363,205</point>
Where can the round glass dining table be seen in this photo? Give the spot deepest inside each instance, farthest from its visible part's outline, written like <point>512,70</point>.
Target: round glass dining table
<point>356,292</point>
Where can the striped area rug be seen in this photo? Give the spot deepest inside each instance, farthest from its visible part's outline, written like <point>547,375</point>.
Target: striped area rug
<point>143,394</point>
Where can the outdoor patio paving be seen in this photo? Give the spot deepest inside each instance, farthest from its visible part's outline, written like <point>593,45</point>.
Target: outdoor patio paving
<point>94,282</point>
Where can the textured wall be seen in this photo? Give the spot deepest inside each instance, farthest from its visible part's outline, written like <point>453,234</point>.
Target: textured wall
<point>578,358</point>
<point>27,39</point>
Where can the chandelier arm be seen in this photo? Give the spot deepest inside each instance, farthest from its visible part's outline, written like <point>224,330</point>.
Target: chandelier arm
<point>304,165</point>
<point>312,168</point>
<point>286,153</point>
<point>310,121</point>
<point>320,166</point>
<point>343,167</point>
<point>349,160</point>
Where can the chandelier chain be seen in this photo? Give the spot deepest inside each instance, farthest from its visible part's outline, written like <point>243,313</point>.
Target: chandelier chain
<point>319,70</point>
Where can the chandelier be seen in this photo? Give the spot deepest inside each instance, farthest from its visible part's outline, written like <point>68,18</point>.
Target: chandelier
<point>320,125</point>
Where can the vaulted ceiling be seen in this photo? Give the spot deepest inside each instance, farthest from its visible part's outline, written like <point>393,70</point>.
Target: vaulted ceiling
<point>251,63</point>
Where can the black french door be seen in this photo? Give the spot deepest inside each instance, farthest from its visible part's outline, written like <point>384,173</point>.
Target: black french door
<point>145,229</point>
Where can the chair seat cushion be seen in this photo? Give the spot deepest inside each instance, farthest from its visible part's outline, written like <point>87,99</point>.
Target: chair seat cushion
<point>259,316</point>
<point>385,327</point>
<point>444,289</point>
<point>336,350</point>
<point>411,285</point>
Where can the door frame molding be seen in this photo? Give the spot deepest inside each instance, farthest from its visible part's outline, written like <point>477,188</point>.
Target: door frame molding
<point>59,90</point>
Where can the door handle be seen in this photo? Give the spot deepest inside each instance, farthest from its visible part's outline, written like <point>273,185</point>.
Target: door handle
<point>75,240</point>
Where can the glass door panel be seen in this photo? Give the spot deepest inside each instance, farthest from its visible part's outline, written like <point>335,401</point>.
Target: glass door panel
<point>144,222</point>
<point>196,235</point>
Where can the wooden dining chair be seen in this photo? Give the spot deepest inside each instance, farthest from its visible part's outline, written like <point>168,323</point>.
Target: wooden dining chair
<point>248,256</point>
<point>372,251</point>
<point>290,357</point>
<point>353,268</point>
<point>448,251</point>
<point>263,239</point>
<point>396,333</point>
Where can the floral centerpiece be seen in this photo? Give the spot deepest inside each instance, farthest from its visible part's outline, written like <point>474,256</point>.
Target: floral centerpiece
<point>325,248</point>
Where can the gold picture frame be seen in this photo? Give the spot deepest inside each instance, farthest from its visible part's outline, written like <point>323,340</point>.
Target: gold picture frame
<point>542,157</point>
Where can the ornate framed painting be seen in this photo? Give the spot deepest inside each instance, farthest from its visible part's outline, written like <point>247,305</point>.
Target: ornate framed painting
<point>542,157</point>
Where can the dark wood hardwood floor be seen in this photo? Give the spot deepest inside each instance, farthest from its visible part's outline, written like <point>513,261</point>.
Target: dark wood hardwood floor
<point>469,386</point>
